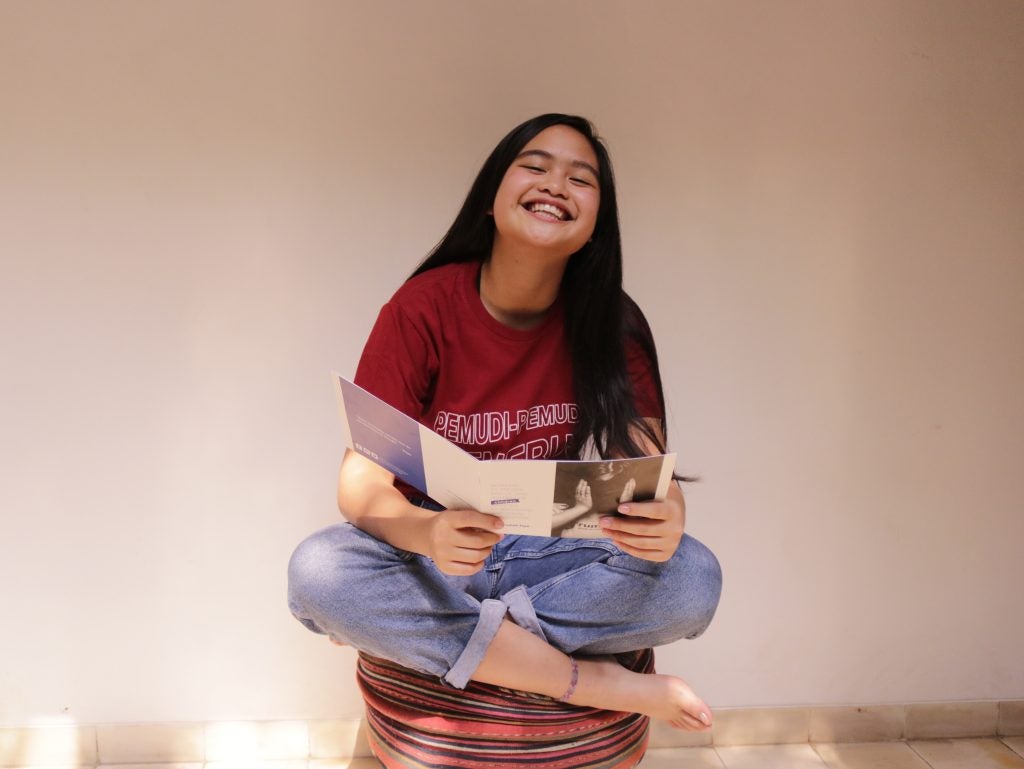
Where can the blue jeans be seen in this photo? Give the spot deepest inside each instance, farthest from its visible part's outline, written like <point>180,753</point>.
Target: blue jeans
<point>581,595</point>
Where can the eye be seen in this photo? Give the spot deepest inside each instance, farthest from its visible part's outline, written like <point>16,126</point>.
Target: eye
<point>581,181</point>
<point>535,169</point>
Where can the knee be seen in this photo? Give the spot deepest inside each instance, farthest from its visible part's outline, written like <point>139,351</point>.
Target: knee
<point>315,567</point>
<point>696,579</point>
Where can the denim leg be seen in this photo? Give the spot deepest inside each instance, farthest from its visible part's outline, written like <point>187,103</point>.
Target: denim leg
<point>392,603</point>
<point>580,595</point>
<point>588,596</point>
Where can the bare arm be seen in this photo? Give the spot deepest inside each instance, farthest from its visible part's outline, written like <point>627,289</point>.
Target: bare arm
<point>458,541</point>
<point>563,515</point>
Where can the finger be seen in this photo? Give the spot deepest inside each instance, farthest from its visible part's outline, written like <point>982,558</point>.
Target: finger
<point>581,492</point>
<point>464,560</point>
<point>654,544</point>
<point>628,491</point>
<point>658,556</point>
<point>654,510</point>
<point>469,554</point>
<point>456,569</point>
<point>694,722</point>
<point>690,724</point>
<point>476,539</point>
<point>644,542</point>
<point>639,527</point>
<point>639,541</point>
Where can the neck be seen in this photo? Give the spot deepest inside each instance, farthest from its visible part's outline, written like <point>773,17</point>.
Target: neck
<point>519,289</point>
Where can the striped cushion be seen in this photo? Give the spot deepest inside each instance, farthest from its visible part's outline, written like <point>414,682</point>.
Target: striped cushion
<point>416,721</point>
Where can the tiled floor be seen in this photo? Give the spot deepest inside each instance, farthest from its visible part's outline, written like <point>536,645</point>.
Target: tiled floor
<point>1007,753</point>
<point>991,753</point>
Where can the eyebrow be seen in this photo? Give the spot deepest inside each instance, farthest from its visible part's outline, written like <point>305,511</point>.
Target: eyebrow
<point>548,156</point>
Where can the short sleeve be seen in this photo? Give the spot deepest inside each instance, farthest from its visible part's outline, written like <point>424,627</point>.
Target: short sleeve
<point>642,376</point>
<point>399,362</point>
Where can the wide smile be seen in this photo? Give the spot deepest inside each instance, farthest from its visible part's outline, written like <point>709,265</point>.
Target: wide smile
<point>548,211</point>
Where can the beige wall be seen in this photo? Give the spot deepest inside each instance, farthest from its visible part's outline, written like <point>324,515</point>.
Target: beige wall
<point>202,206</point>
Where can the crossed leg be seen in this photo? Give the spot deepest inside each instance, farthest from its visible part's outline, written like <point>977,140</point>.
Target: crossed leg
<point>336,588</point>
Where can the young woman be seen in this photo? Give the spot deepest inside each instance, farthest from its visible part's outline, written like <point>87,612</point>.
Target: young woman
<point>516,338</point>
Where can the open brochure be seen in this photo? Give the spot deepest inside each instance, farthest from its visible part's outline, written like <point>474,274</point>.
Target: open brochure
<point>544,497</point>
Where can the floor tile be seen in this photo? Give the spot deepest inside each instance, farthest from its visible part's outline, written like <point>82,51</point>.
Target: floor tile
<point>870,755</point>
<point>967,754</point>
<point>175,765</point>
<point>770,757</point>
<point>345,763</point>
<point>681,758</point>
<point>293,763</point>
<point>1015,743</point>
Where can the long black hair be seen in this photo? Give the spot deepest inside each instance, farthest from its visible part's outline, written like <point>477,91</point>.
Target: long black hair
<point>599,316</point>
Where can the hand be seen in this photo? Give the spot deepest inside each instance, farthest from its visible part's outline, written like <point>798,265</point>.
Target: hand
<point>583,496</point>
<point>563,515</point>
<point>649,530</point>
<point>461,540</point>
<point>628,491</point>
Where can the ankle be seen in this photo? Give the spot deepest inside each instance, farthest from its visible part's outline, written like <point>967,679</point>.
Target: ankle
<point>574,678</point>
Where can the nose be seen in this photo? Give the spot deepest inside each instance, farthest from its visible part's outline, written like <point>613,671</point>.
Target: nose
<point>554,184</point>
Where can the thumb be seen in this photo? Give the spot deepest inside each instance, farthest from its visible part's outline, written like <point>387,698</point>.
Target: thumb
<point>473,519</point>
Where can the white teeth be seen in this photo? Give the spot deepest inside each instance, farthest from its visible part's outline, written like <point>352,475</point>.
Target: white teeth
<point>548,209</point>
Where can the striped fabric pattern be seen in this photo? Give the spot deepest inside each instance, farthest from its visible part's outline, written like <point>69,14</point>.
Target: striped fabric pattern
<point>416,722</point>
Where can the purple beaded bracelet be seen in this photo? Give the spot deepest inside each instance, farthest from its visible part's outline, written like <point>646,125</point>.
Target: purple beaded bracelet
<point>573,680</point>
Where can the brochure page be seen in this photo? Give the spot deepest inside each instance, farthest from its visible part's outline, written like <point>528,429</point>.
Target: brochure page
<point>543,497</point>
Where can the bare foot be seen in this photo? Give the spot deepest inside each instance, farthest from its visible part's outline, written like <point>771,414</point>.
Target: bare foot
<point>599,683</point>
<point>336,642</point>
<point>660,696</point>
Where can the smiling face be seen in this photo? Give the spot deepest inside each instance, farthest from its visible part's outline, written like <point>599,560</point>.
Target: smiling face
<point>550,195</point>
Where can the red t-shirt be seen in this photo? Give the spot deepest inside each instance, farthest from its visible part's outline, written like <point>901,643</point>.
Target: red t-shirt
<point>437,355</point>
